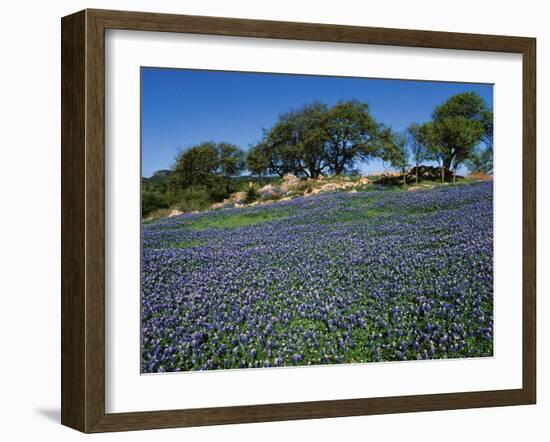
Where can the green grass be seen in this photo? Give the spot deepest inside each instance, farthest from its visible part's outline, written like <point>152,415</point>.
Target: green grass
<point>236,220</point>
<point>187,244</point>
<point>313,325</point>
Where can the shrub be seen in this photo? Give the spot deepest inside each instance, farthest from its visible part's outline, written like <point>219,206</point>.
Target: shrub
<point>251,194</point>
<point>152,201</point>
<point>192,198</point>
<point>219,188</point>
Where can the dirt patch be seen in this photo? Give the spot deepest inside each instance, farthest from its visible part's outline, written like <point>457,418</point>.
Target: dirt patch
<point>481,176</point>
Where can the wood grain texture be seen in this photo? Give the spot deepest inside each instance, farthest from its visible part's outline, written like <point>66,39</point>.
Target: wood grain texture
<point>95,221</point>
<point>308,410</point>
<point>73,256</point>
<point>144,21</point>
<point>83,220</point>
<point>529,220</point>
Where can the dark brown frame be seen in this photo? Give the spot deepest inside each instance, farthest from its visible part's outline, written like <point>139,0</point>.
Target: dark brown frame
<point>83,216</point>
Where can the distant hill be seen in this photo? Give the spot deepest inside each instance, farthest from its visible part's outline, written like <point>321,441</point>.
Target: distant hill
<point>160,175</point>
<point>157,182</point>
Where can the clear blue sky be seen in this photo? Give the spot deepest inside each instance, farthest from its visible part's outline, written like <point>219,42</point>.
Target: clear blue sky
<point>182,107</point>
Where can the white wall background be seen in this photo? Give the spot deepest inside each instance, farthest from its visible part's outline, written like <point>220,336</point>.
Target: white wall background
<point>30,217</point>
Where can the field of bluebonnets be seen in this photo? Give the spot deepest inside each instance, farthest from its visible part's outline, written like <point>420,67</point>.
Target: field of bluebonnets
<point>334,278</point>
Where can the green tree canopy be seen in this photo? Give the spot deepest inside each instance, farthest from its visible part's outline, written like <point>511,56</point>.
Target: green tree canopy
<point>396,152</point>
<point>452,140</point>
<point>295,144</point>
<point>482,159</point>
<point>231,159</point>
<point>195,166</point>
<point>469,105</point>
<point>316,139</point>
<point>486,119</point>
<point>353,134</point>
<point>208,165</point>
<point>456,129</point>
<point>257,160</point>
<point>418,145</point>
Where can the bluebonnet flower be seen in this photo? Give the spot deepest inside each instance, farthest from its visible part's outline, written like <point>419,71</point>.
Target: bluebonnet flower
<point>361,277</point>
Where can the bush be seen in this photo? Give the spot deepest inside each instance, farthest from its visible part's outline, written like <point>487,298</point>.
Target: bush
<point>193,198</point>
<point>152,201</point>
<point>219,188</point>
<point>251,194</point>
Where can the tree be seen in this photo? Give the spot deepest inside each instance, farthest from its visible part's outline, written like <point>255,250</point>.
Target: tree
<point>195,166</point>
<point>231,162</point>
<point>257,160</point>
<point>277,155</point>
<point>396,153</point>
<point>208,166</point>
<point>231,159</point>
<point>434,150</point>
<point>316,138</point>
<point>486,119</point>
<point>311,125</point>
<point>418,145</point>
<point>453,140</point>
<point>469,105</point>
<point>295,144</point>
<point>353,135</point>
<point>457,127</point>
<point>481,160</point>
<point>472,107</point>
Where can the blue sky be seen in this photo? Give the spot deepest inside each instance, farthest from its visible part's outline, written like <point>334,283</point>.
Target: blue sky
<point>182,107</point>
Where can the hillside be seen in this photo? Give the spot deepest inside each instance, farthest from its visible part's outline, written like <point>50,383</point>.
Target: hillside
<point>331,278</point>
<point>289,187</point>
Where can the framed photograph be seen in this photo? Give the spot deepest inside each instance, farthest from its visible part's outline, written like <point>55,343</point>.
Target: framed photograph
<point>267,221</point>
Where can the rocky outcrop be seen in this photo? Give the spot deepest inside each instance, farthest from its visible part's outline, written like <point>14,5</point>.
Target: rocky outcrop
<point>269,191</point>
<point>290,182</point>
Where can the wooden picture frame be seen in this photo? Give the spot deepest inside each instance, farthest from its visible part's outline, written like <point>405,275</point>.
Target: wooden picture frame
<point>83,220</point>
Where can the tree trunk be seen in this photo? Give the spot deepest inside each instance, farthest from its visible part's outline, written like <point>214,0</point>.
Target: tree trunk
<point>404,179</point>
<point>442,174</point>
<point>417,174</point>
<point>454,175</point>
<point>447,163</point>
